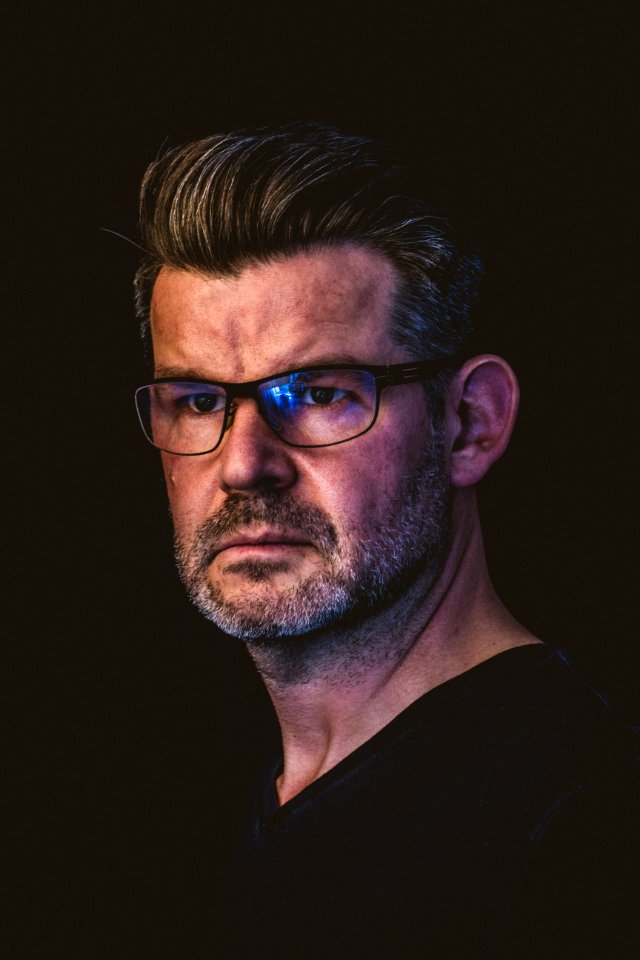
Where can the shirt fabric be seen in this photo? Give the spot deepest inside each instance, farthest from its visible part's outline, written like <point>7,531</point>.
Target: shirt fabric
<point>495,817</point>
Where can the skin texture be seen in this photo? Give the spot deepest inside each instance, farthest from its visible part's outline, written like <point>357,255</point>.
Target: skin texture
<point>333,687</point>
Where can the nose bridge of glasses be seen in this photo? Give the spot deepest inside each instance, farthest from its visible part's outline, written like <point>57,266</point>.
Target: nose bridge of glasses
<point>254,390</point>
<point>249,389</point>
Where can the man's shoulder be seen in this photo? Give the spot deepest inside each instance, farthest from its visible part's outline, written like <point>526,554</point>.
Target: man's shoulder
<point>545,690</point>
<point>525,711</point>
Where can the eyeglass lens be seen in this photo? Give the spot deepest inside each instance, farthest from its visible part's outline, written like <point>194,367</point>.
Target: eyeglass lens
<point>309,408</point>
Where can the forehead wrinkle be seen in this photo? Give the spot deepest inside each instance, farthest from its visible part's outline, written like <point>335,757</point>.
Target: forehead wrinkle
<point>234,345</point>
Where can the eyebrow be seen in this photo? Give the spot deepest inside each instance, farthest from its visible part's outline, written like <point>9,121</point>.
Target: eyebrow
<point>178,373</point>
<point>191,373</point>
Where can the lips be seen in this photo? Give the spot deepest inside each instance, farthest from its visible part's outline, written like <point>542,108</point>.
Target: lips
<point>264,539</point>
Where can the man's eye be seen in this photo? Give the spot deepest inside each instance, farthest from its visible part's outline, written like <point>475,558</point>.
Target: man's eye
<point>202,402</point>
<point>324,395</point>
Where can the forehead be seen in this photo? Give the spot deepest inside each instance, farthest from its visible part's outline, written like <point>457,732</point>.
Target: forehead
<point>317,306</point>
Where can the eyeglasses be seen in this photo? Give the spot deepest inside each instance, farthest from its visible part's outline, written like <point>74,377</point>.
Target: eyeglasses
<point>310,407</point>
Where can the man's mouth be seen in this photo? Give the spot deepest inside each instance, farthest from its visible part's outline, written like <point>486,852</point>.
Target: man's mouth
<point>265,544</point>
<point>265,532</point>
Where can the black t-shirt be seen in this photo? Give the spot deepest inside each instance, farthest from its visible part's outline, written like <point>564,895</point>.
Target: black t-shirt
<point>493,818</point>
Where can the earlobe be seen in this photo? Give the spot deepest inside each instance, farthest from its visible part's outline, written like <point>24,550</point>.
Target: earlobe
<point>482,409</point>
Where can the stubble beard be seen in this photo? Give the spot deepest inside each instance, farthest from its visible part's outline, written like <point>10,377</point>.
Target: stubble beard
<point>363,571</point>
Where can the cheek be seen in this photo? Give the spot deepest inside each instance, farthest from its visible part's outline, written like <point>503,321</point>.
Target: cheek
<point>376,480</point>
<point>357,490</point>
<point>190,483</point>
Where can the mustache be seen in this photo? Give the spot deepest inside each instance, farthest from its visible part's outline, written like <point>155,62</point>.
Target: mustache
<point>240,511</point>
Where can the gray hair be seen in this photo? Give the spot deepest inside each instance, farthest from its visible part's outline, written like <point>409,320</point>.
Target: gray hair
<point>228,201</point>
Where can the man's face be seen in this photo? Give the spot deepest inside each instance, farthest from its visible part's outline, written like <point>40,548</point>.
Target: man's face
<point>271,540</point>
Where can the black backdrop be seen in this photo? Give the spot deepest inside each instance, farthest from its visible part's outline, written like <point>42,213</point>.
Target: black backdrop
<point>136,724</point>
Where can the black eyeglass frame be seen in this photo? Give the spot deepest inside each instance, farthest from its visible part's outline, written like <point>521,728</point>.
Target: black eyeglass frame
<point>391,375</point>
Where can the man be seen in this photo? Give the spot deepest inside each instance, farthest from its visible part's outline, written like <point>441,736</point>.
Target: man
<point>447,786</point>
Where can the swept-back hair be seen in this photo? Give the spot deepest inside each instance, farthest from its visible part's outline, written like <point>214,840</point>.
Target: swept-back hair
<point>220,204</point>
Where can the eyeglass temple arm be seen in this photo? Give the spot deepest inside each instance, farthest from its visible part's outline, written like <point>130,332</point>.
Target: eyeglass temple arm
<point>415,372</point>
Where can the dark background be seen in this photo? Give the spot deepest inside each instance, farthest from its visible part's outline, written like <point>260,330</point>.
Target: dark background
<point>136,725</point>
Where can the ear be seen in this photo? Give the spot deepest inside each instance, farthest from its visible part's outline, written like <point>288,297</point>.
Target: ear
<point>481,411</point>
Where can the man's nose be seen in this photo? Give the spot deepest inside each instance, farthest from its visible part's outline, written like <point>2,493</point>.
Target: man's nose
<point>251,456</point>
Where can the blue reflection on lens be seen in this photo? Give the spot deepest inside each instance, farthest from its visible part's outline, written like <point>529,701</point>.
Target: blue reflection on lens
<point>282,399</point>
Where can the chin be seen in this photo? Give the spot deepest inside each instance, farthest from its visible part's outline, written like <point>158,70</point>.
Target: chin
<point>255,571</point>
<point>309,606</point>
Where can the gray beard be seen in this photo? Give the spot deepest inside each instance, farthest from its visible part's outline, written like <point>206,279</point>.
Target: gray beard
<point>362,577</point>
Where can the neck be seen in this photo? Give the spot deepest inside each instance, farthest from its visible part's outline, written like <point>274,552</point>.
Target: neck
<point>334,691</point>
